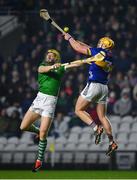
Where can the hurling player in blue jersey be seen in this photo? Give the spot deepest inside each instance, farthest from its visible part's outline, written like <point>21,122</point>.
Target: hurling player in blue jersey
<point>96,90</point>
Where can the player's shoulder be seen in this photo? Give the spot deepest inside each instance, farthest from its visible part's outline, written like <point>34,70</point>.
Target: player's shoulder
<point>43,63</point>
<point>96,49</point>
<point>93,51</point>
<point>106,52</point>
<point>99,50</point>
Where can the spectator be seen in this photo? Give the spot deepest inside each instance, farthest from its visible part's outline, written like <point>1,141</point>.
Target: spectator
<point>60,126</point>
<point>63,103</point>
<point>135,92</point>
<point>17,72</point>
<point>4,123</point>
<point>68,88</point>
<point>134,111</point>
<point>123,106</point>
<point>111,102</point>
<point>124,64</point>
<point>26,102</point>
<point>14,124</point>
<point>132,77</point>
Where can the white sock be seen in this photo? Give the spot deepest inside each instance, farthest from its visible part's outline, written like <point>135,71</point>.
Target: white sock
<point>94,126</point>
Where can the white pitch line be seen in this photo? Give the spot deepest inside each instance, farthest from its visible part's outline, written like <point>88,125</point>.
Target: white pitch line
<point>69,179</point>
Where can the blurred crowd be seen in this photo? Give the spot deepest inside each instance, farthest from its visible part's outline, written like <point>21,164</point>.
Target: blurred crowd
<point>88,21</point>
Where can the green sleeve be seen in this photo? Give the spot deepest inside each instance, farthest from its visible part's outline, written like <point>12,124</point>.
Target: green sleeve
<point>62,69</point>
<point>42,64</point>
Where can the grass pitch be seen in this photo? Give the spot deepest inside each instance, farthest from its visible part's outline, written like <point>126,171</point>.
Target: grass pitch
<point>92,174</point>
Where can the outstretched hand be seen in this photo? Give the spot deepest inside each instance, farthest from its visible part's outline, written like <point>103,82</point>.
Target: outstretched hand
<point>55,66</point>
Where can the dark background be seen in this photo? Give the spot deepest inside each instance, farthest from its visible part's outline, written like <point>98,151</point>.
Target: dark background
<point>23,47</point>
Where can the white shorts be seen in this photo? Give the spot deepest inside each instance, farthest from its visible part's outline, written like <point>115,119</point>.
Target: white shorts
<point>44,105</point>
<point>95,92</point>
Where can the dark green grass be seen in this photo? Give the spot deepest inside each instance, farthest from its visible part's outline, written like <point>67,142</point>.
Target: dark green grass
<point>15,174</point>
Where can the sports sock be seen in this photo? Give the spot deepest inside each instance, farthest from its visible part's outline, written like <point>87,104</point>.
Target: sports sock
<point>110,137</point>
<point>34,129</point>
<point>41,150</point>
<point>94,126</point>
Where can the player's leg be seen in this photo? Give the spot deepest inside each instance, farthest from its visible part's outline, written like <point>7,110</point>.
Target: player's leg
<point>101,110</point>
<point>32,115</point>
<point>88,95</point>
<point>47,114</point>
<point>82,104</point>
<point>27,123</point>
<point>44,127</point>
<point>80,109</point>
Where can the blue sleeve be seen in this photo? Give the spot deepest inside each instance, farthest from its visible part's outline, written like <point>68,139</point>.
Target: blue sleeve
<point>94,51</point>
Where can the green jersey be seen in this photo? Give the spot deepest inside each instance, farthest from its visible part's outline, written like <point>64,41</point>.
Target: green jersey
<point>49,82</point>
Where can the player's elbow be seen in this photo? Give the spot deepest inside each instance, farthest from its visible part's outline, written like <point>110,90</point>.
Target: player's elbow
<point>78,48</point>
<point>39,70</point>
<point>22,128</point>
<point>77,112</point>
<point>81,49</point>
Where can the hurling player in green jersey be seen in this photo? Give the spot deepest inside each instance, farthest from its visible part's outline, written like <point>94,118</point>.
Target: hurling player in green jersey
<point>50,72</point>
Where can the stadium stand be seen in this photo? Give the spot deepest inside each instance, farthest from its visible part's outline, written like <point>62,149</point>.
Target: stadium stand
<point>19,86</point>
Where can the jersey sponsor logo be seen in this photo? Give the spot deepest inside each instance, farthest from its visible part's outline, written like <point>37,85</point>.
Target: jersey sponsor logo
<point>90,74</point>
<point>108,67</point>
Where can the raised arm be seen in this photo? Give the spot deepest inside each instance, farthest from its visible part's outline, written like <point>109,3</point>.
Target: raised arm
<point>45,69</point>
<point>77,45</point>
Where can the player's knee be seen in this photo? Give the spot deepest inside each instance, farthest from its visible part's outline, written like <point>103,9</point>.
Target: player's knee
<point>43,133</point>
<point>77,111</point>
<point>102,118</point>
<point>23,128</point>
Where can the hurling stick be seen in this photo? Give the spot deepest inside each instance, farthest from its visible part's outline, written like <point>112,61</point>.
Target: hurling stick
<point>98,57</point>
<point>45,15</point>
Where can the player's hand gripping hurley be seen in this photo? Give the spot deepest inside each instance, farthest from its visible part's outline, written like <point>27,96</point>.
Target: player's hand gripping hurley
<point>45,15</point>
<point>98,57</point>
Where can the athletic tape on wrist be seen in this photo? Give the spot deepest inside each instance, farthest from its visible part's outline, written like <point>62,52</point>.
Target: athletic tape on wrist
<point>69,38</point>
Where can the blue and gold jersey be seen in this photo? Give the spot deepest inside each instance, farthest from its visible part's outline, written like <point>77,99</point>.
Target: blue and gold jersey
<point>99,70</point>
